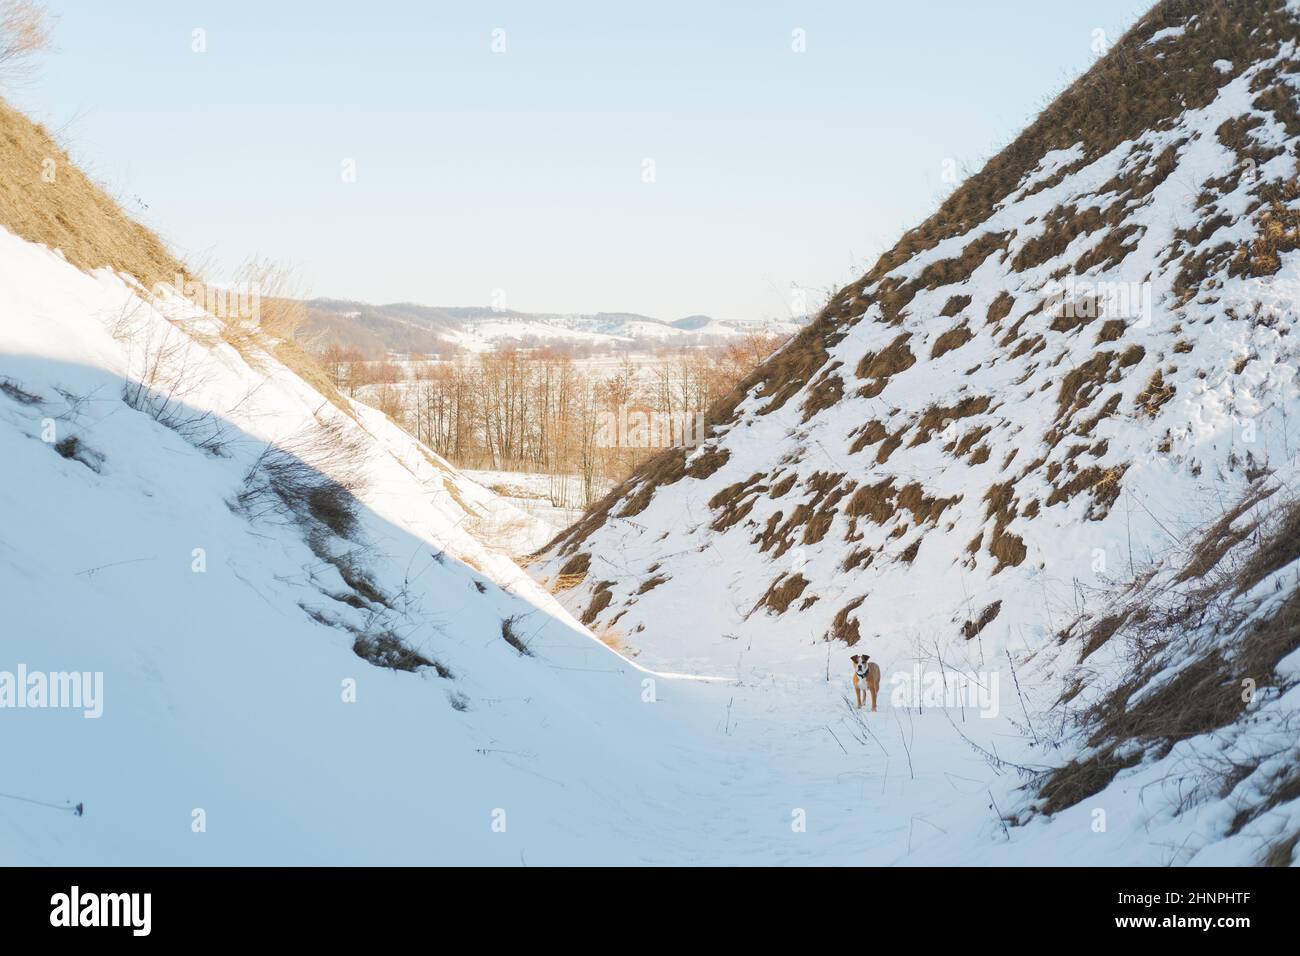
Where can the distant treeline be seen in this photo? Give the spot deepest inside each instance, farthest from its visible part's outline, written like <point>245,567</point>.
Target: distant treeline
<point>545,411</point>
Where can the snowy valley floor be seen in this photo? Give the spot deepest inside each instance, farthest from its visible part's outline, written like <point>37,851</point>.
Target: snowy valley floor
<point>771,771</point>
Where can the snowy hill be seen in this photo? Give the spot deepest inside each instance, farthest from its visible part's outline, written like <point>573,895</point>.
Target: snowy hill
<point>248,621</point>
<point>1039,463</point>
<point>295,651</point>
<point>1037,400</point>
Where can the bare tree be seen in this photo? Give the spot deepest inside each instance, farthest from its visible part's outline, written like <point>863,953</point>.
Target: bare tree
<point>24,31</point>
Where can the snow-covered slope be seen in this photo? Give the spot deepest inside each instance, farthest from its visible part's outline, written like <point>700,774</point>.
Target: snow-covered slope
<point>229,624</point>
<point>1088,353</point>
<point>301,650</point>
<point>271,681</point>
<point>225,623</point>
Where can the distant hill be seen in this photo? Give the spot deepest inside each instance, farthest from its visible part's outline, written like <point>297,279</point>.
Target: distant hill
<point>404,327</point>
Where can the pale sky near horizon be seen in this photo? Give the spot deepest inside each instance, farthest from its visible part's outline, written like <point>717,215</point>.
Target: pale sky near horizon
<point>521,174</point>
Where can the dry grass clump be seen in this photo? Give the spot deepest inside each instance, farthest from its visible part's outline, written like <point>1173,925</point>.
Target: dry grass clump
<point>1281,852</point>
<point>878,367</point>
<point>1000,307</point>
<point>13,390</point>
<point>511,635</point>
<point>388,650</point>
<point>600,599</point>
<point>1155,395</point>
<point>310,479</point>
<point>1104,485</point>
<point>845,627</point>
<point>613,638</point>
<point>1009,549</point>
<point>827,391</point>
<point>1281,548</point>
<point>972,627</point>
<point>782,593</point>
<point>735,501</point>
<point>952,339</point>
<point>1222,537</point>
<point>1187,628</point>
<point>1279,232</point>
<point>649,584</point>
<point>790,368</point>
<point>812,518</point>
<point>573,572</point>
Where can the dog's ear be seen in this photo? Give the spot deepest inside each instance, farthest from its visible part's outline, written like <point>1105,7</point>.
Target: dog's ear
<point>854,658</point>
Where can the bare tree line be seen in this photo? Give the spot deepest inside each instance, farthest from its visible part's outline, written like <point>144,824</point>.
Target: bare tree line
<point>540,410</point>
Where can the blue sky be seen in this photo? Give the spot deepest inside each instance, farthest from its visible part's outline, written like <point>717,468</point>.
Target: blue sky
<point>522,173</point>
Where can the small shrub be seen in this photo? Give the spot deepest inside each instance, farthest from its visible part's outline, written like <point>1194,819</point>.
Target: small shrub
<point>387,650</point>
<point>510,634</point>
<point>20,395</point>
<point>74,449</point>
<point>288,480</point>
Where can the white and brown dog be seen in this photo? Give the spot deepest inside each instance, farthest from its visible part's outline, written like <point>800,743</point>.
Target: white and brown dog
<point>866,677</point>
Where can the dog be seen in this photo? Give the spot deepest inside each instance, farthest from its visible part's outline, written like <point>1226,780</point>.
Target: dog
<point>866,677</point>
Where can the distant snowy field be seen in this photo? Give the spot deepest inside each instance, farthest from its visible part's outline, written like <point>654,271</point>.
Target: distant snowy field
<point>536,494</point>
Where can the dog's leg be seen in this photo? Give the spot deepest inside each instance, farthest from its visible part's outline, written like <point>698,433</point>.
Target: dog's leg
<point>874,691</point>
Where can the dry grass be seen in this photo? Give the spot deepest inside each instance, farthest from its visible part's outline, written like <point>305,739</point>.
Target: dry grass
<point>573,572</point>
<point>1155,395</point>
<point>827,391</point>
<point>878,367</point>
<point>986,617</point>
<point>511,635</point>
<point>388,650</point>
<point>845,627</point>
<point>613,638</point>
<point>600,599</point>
<point>952,339</point>
<point>783,592</point>
<point>44,198</point>
<point>310,479</point>
<point>1279,232</point>
<point>1134,87</point>
<point>735,501</point>
<point>1281,852</point>
<point>1281,548</point>
<point>1204,696</point>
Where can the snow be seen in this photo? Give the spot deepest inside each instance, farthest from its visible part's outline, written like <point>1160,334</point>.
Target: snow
<point>722,734</point>
<point>554,502</point>
<point>1168,33</point>
<point>1181,468</point>
<point>223,700</point>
